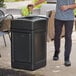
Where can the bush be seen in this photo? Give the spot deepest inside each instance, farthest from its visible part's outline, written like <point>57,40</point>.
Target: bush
<point>2,3</point>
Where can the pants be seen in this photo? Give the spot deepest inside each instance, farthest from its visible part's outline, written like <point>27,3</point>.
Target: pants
<point>68,32</point>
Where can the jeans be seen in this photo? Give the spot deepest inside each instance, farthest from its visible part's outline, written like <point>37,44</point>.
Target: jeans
<point>68,40</point>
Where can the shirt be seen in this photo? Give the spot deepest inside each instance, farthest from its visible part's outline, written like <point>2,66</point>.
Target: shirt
<point>25,11</point>
<point>64,15</point>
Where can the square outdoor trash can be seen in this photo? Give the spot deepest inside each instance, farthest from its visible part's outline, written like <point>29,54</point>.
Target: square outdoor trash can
<point>28,42</point>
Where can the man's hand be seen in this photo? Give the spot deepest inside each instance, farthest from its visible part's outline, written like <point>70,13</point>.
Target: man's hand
<point>64,7</point>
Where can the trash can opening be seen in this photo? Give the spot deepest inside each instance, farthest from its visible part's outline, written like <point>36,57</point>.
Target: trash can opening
<point>31,17</point>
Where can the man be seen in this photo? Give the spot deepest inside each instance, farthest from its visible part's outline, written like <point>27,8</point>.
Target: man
<point>64,16</point>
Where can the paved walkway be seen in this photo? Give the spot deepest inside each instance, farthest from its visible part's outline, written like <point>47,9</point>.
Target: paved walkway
<point>51,69</point>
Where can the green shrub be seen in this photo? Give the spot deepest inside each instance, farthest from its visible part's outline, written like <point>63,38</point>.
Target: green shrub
<point>2,3</point>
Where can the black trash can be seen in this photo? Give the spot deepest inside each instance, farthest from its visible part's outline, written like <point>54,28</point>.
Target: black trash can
<point>28,42</point>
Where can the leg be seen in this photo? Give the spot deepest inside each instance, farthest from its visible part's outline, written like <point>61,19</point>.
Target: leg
<point>68,42</point>
<point>58,30</point>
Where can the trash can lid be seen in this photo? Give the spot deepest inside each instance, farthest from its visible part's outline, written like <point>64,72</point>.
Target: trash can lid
<point>32,18</point>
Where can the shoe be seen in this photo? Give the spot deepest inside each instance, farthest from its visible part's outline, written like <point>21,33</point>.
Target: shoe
<point>67,63</point>
<point>55,58</point>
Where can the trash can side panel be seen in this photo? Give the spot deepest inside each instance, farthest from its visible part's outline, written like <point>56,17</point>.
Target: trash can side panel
<point>40,24</point>
<point>21,24</point>
<point>39,46</point>
<point>21,47</point>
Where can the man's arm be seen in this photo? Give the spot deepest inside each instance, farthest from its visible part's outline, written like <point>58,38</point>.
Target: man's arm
<point>66,7</point>
<point>39,2</point>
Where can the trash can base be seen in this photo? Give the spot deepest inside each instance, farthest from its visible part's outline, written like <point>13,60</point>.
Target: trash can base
<point>28,66</point>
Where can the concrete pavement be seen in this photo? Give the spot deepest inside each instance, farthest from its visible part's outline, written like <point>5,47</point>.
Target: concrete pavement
<point>53,68</point>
